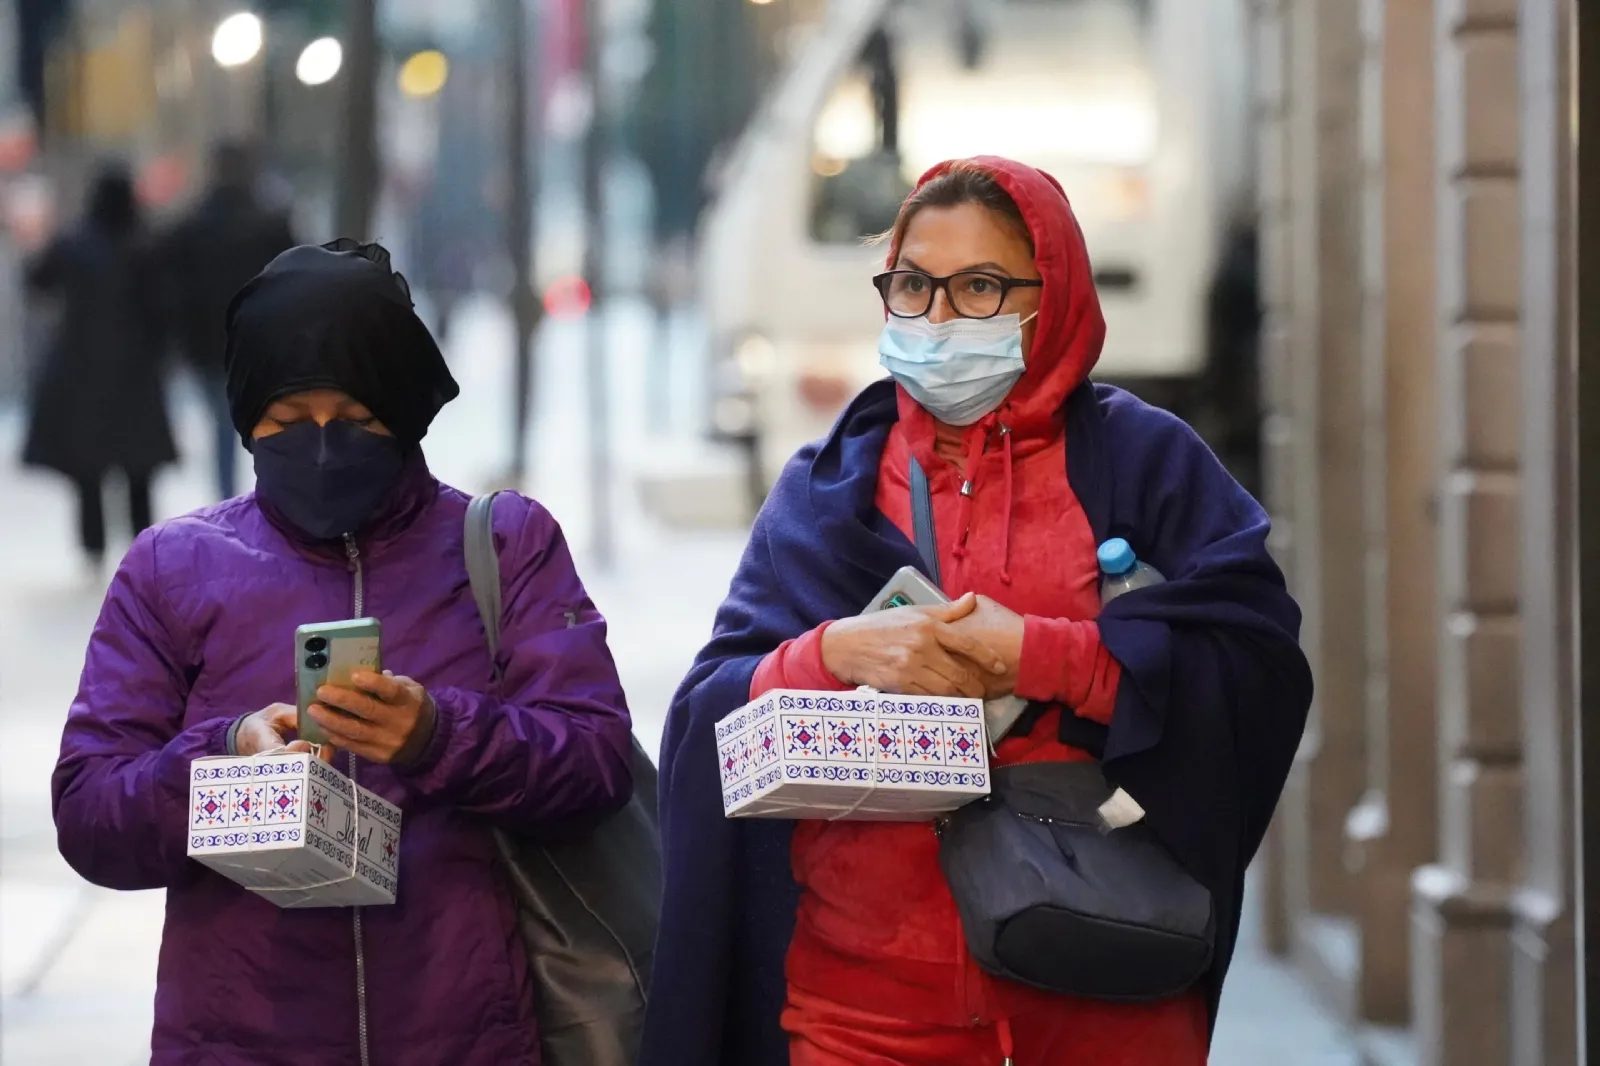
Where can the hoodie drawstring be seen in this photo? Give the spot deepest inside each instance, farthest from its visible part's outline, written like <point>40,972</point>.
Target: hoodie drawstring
<point>969,470</point>
<point>1003,1029</point>
<point>1005,535</point>
<point>977,436</point>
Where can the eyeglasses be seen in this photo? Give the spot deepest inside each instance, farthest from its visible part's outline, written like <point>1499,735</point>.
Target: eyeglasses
<point>972,293</point>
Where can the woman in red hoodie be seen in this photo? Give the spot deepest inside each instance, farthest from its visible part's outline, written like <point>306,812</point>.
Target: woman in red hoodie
<point>987,260</point>
<point>813,943</point>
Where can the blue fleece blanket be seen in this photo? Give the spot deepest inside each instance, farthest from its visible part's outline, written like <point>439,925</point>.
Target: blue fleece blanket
<point>1210,709</point>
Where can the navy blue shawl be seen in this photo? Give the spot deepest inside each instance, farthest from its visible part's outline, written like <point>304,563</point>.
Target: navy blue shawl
<point>1209,712</point>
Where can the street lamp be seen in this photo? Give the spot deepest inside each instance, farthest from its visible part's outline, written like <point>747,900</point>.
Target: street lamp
<point>319,61</point>
<point>237,40</point>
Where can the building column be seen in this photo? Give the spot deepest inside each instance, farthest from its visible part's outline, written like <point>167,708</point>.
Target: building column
<point>1394,828</point>
<point>1337,770</point>
<point>1311,241</point>
<point>1544,1025</point>
<point>1283,452</point>
<point>1461,905</point>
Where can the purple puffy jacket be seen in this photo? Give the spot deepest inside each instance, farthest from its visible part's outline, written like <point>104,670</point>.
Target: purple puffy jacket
<point>197,629</point>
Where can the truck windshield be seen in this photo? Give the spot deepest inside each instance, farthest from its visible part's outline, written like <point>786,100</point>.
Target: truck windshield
<point>1051,82</point>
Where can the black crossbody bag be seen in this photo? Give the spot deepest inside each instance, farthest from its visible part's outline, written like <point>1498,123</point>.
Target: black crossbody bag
<point>1047,895</point>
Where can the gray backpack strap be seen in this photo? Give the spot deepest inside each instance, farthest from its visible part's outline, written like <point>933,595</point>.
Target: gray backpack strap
<point>587,909</point>
<point>483,569</point>
<point>922,521</point>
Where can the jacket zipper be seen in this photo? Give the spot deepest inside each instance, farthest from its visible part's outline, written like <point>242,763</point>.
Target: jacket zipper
<point>353,559</point>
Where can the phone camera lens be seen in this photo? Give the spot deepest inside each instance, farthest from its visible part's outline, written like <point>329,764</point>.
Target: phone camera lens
<point>316,662</point>
<point>316,644</point>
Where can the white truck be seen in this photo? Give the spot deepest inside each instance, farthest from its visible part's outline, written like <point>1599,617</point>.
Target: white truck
<point>1138,107</point>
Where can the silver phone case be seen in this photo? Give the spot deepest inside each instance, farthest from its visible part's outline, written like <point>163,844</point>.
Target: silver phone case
<point>913,586</point>
<point>908,582</point>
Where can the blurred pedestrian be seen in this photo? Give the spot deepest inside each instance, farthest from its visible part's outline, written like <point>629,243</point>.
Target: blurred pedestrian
<point>1233,349</point>
<point>223,242</point>
<point>333,381</point>
<point>97,405</point>
<point>446,255</point>
<point>992,464</point>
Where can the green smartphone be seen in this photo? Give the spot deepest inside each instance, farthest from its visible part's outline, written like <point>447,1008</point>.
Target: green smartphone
<point>328,653</point>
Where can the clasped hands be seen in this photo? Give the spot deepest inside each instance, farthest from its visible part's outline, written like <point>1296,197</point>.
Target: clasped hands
<point>970,647</point>
<point>382,718</point>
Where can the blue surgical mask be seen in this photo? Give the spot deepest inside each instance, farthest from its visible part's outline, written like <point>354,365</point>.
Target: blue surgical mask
<point>958,370</point>
<point>328,480</point>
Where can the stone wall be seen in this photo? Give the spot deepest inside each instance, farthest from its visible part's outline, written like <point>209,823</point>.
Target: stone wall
<point>1415,212</point>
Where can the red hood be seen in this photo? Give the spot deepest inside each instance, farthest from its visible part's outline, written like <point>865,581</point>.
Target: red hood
<point>1070,328</point>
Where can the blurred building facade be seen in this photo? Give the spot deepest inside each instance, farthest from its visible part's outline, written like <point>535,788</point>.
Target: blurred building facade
<point>1416,209</point>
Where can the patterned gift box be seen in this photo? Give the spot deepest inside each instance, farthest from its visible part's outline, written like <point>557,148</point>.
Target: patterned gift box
<point>285,827</point>
<point>852,756</point>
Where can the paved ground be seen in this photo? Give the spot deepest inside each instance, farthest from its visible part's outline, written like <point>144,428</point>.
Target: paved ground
<point>77,963</point>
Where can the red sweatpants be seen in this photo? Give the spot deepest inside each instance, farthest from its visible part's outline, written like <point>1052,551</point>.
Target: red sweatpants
<point>822,1033</point>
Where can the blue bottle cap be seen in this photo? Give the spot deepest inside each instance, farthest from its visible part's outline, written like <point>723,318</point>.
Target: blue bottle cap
<point>1116,556</point>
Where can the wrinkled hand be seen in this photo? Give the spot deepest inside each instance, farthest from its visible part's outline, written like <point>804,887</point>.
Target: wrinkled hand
<point>999,627</point>
<point>383,718</point>
<point>266,732</point>
<point>912,651</point>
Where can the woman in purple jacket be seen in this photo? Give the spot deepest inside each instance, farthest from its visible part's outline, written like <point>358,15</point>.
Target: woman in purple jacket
<point>333,381</point>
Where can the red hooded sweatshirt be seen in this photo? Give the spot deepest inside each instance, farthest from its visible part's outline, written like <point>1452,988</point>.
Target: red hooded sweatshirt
<point>877,927</point>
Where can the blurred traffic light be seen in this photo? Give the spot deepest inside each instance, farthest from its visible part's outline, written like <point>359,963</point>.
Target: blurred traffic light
<point>568,297</point>
<point>424,74</point>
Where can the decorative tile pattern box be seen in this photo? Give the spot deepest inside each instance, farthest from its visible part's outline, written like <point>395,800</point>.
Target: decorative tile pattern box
<point>853,756</point>
<point>283,826</point>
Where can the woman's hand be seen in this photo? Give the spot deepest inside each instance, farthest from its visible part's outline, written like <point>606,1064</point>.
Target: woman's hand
<point>913,651</point>
<point>266,732</point>
<point>999,627</point>
<point>268,729</point>
<point>384,718</point>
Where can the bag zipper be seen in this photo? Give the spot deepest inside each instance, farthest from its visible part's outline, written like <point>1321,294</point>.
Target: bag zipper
<point>1045,819</point>
<point>353,560</point>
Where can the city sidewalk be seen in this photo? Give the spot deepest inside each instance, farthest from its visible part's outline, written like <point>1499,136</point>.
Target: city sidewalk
<point>77,963</point>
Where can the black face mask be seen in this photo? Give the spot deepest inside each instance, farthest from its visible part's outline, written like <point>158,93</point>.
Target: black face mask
<point>328,480</point>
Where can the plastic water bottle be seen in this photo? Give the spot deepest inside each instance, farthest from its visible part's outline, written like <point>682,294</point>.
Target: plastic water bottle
<point>1121,571</point>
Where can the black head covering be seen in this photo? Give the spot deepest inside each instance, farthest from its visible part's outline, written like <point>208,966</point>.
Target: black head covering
<point>335,317</point>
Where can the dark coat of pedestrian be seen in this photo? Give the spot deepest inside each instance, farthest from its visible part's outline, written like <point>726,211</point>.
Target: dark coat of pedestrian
<point>229,236</point>
<point>97,405</point>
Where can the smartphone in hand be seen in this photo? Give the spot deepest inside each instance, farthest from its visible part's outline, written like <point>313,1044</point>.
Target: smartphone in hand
<point>329,653</point>
<point>909,587</point>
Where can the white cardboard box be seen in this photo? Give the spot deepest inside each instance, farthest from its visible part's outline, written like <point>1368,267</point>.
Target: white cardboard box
<point>852,756</point>
<point>283,826</point>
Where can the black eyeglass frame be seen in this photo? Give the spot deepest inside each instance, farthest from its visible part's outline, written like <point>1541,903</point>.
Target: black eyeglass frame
<point>1006,283</point>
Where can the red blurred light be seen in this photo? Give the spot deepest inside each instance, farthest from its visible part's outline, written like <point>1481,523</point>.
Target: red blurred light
<point>567,297</point>
<point>17,149</point>
<point>162,181</point>
<point>823,392</point>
